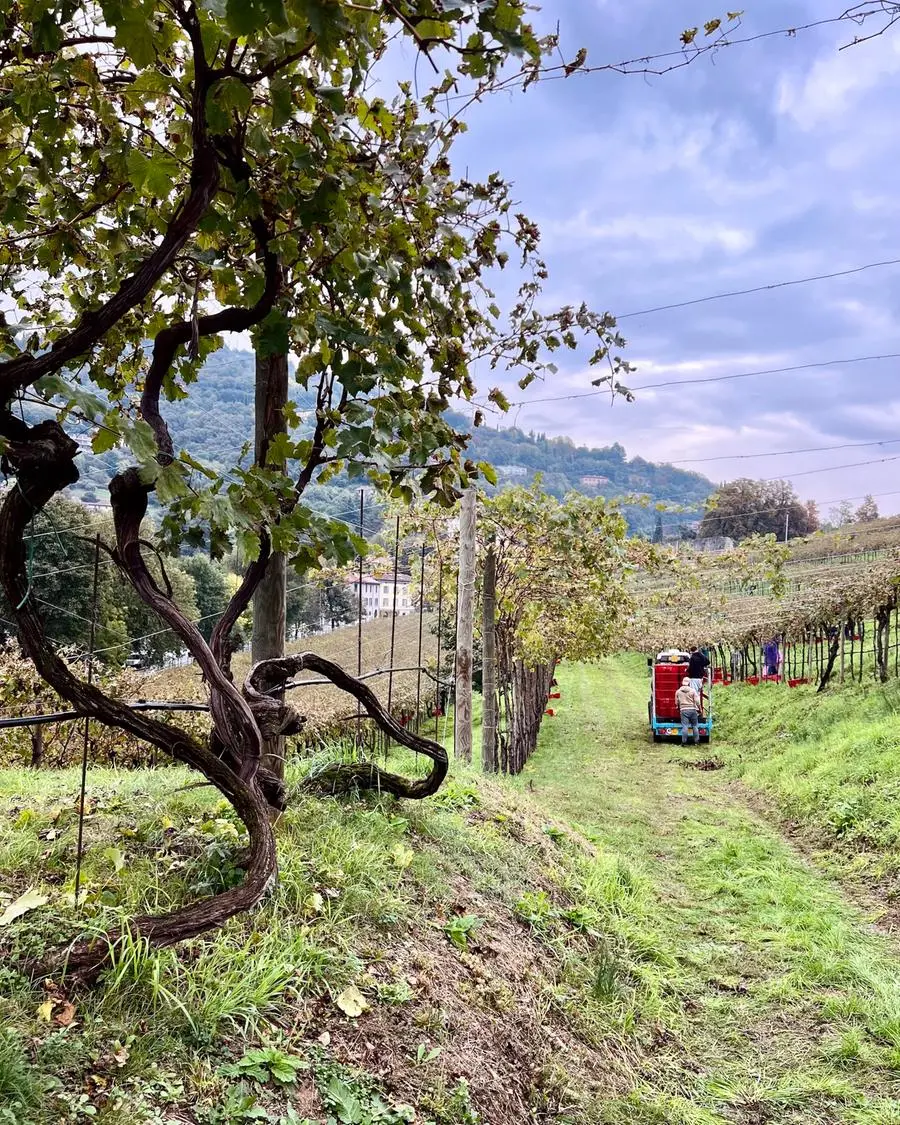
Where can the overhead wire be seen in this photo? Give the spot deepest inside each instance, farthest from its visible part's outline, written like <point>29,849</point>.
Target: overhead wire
<point>782,452</point>
<point>642,64</point>
<point>716,378</point>
<point>779,507</point>
<point>758,289</point>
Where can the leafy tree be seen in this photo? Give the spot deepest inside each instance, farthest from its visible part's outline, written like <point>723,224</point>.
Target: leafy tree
<point>841,514</point>
<point>210,590</point>
<point>151,642</point>
<point>303,609</point>
<point>340,604</point>
<point>174,172</point>
<point>867,511</point>
<point>747,507</point>
<point>59,545</point>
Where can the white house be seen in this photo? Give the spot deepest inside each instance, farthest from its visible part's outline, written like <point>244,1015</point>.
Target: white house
<point>378,595</point>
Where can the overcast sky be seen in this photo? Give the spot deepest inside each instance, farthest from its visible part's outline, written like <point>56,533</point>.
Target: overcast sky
<point>774,160</point>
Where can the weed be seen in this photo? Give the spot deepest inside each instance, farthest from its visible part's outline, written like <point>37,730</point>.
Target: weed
<point>425,1054</point>
<point>605,985</point>
<point>21,1088</point>
<point>536,909</point>
<point>461,927</point>
<point>266,1064</point>
<point>352,1099</point>
<point>451,1106</point>
<point>394,992</point>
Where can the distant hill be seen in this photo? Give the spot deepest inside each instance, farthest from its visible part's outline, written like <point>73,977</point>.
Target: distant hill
<point>216,421</point>
<point>606,471</point>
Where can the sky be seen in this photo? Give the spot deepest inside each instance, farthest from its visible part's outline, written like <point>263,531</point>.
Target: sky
<point>769,161</point>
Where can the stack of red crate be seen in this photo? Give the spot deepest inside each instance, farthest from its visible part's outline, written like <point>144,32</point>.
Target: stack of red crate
<point>668,679</point>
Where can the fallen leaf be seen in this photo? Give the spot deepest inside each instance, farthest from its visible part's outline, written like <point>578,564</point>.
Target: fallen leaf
<point>31,900</point>
<point>120,1053</point>
<point>65,1013</point>
<point>45,1011</point>
<point>325,1038</point>
<point>352,1002</point>
<point>315,903</point>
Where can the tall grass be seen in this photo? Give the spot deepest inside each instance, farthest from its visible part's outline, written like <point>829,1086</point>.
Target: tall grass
<point>829,761</point>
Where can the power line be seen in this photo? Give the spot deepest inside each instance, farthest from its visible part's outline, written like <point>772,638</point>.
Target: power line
<point>717,378</point>
<point>834,468</point>
<point>782,452</point>
<point>759,289</point>
<point>680,518</point>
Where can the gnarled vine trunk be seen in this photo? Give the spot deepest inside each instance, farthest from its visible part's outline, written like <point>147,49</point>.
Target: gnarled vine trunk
<point>43,458</point>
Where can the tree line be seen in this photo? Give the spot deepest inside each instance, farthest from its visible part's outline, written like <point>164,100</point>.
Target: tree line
<point>62,547</point>
<point>743,508</point>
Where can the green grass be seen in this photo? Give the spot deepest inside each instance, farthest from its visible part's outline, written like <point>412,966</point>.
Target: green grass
<point>619,937</point>
<point>405,902</point>
<point>829,762</point>
<point>752,990</point>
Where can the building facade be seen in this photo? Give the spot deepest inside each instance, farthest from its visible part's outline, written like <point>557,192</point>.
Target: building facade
<point>378,598</point>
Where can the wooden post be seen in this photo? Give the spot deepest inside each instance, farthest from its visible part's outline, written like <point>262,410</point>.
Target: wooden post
<point>438,687</point>
<point>82,800</point>
<point>841,678</point>
<point>359,615</point>
<point>419,656</point>
<point>270,599</point>
<point>465,623</point>
<point>489,663</point>
<point>393,614</point>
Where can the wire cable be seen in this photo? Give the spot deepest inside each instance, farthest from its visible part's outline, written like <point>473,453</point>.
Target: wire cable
<point>781,452</point>
<point>716,378</point>
<point>760,289</point>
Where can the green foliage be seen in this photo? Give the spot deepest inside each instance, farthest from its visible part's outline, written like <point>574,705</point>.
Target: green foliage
<point>561,567</point>
<point>211,592</point>
<point>356,250</point>
<point>351,1099</point>
<point>266,1064</point>
<point>461,928</point>
<point>747,507</point>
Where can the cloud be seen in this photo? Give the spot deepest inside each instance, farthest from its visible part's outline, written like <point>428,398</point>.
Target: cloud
<point>834,85</point>
<point>774,161</point>
<point>670,237</point>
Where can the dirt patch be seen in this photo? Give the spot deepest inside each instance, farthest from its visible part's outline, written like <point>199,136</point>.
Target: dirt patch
<point>484,1023</point>
<point>699,763</point>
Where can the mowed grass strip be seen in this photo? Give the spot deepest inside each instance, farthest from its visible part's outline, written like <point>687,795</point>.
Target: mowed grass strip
<point>758,993</point>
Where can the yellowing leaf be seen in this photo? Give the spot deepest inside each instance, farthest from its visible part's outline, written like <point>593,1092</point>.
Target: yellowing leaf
<point>314,903</point>
<point>45,1011</point>
<point>352,1002</point>
<point>116,857</point>
<point>31,900</point>
<point>402,856</point>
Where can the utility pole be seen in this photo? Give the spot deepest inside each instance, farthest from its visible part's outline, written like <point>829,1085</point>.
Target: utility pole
<point>489,662</point>
<point>465,626</point>
<point>787,522</point>
<point>270,599</point>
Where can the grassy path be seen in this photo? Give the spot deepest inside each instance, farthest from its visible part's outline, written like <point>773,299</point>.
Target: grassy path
<point>751,991</point>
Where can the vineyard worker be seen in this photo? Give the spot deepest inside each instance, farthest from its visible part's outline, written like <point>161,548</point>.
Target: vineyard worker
<point>697,666</point>
<point>688,702</point>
